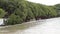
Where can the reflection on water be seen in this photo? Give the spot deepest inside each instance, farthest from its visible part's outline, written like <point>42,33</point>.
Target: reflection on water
<point>48,26</point>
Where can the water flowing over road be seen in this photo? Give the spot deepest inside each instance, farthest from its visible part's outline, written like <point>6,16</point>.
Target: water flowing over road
<point>46,26</point>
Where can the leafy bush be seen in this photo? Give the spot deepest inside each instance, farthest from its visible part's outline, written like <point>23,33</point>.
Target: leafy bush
<point>13,19</point>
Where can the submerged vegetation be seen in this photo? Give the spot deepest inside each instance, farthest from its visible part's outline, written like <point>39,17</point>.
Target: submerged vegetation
<point>19,11</point>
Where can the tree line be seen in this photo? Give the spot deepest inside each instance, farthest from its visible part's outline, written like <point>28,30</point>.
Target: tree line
<point>20,11</point>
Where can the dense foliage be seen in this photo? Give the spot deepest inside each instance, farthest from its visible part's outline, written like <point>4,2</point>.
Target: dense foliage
<point>57,8</point>
<point>19,11</point>
<point>2,13</point>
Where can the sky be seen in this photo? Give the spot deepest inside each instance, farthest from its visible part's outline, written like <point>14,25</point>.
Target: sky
<point>46,2</point>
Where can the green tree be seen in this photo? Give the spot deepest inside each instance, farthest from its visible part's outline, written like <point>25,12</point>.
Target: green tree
<point>13,19</point>
<point>2,13</point>
<point>57,8</point>
<point>30,15</point>
<point>52,12</point>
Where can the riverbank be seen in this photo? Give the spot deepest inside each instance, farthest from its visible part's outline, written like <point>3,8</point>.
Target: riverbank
<point>32,21</point>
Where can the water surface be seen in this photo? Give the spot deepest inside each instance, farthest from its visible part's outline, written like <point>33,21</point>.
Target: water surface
<point>46,26</point>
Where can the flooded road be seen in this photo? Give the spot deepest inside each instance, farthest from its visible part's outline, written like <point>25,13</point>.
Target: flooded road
<point>46,26</point>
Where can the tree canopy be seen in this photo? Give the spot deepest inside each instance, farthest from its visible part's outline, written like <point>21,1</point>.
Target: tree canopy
<point>19,11</point>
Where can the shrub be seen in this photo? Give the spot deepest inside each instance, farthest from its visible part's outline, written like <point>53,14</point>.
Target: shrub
<point>13,19</point>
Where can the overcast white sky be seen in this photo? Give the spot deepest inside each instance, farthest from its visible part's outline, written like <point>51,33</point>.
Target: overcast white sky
<point>46,2</point>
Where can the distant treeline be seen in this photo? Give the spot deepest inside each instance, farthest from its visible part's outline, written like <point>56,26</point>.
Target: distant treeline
<point>19,11</point>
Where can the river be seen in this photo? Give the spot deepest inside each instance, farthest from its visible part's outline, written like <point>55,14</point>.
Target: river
<point>44,26</point>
